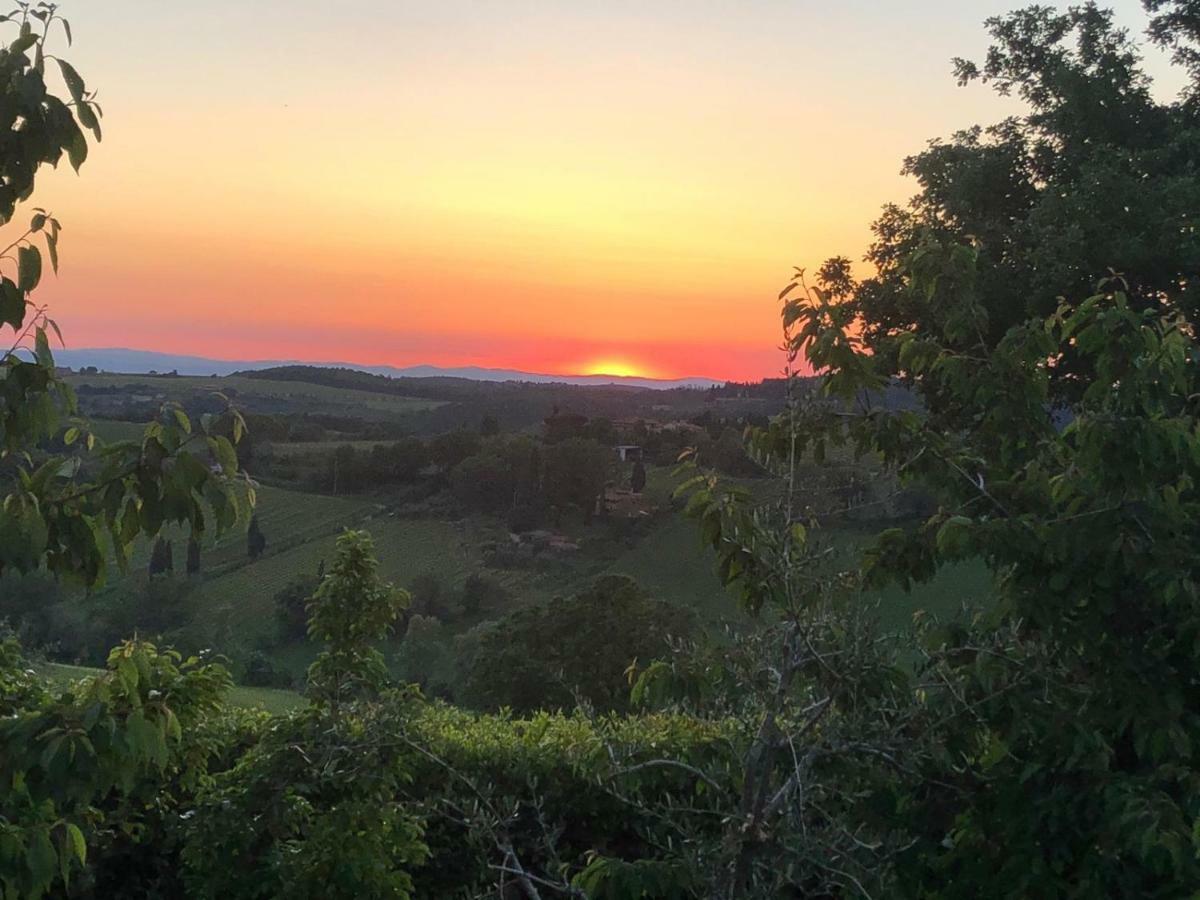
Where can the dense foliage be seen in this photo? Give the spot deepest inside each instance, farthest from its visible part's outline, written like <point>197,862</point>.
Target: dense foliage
<point>70,512</point>
<point>1097,176</point>
<point>571,651</point>
<point>1041,745</point>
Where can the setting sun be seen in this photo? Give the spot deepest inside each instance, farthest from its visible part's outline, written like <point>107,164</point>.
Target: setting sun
<point>619,367</point>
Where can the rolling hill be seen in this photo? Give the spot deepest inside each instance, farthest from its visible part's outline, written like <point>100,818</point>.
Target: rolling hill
<point>124,360</point>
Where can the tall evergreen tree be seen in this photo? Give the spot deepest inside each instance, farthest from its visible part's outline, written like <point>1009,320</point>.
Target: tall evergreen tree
<point>193,555</point>
<point>162,557</point>
<point>637,478</point>
<point>256,541</point>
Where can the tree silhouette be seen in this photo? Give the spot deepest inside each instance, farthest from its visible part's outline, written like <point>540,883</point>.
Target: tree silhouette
<point>637,478</point>
<point>256,541</point>
<point>193,555</point>
<point>162,557</point>
<point>1095,175</point>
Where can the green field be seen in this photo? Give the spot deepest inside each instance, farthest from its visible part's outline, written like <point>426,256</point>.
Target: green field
<point>244,595</point>
<point>671,564</point>
<point>234,595</point>
<point>287,518</point>
<point>233,599</point>
<point>288,450</point>
<point>669,561</point>
<point>261,394</point>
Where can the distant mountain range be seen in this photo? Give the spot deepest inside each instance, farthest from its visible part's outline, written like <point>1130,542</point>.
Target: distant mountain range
<point>119,359</point>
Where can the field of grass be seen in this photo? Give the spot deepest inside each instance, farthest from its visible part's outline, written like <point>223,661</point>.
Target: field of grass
<point>270,699</point>
<point>962,584</point>
<point>288,450</point>
<point>287,518</point>
<point>691,577</point>
<point>672,565</point>
<point>965,584</point>
<point>240,600</point>
<point>264,394</point>
<point>234,599</point>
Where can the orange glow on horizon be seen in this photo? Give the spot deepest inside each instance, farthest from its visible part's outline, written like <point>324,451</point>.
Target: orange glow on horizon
<point>618,367</point>
<point>550,188</point>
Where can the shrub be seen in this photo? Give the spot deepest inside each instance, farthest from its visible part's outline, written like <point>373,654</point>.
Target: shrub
<point>481,592</point>
<point>545,657</point>
<point>261,671</point>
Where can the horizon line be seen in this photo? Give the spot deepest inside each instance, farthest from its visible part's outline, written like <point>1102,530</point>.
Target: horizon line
<point>364,366</point>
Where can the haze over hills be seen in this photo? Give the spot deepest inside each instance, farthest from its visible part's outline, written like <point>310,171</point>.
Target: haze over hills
<point>129,361</point>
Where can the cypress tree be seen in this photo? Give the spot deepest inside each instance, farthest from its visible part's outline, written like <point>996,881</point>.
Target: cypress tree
<point>193,555</point>
<point>637,479</point>
<point>256,541</point>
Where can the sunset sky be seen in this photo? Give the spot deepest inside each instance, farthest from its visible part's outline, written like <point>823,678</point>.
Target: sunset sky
<point>555,187</point>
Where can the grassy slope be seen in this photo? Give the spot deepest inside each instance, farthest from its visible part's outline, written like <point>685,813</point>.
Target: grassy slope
<point>236,595</point>
<point>669,561</point>
<point>405,547</point>
<point>313,448</point>
<point>287,518</point>
<point>314,398</point>
<point>672,564</point>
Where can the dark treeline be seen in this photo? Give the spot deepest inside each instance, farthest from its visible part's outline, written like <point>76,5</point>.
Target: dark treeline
<point>494,471</point>
<point>513,404</point>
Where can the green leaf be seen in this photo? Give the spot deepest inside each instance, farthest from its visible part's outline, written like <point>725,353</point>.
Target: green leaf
<point>128,673</point>
<point>87,118</point>
<point>74,82</point>
<point>686,486</point>
<point>951,537</point>
<point>41,860</point>
<point>29,267</point>
<point>182,419</point>
<point>51,751</point>
<point>52,244</point>
<point>77,842</point>
<point>77,150</point>
<point>41,346</point>
<point>12,304</point>
<point>23,43</point>
<point>225,454</point>
<point>799,534</point>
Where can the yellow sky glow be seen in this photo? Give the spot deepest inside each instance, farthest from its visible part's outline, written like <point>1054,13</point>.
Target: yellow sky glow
<point>519,185</point>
